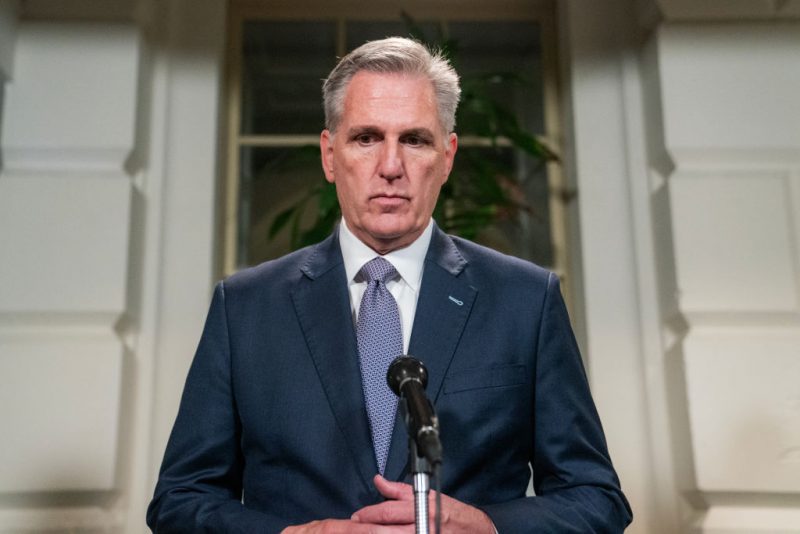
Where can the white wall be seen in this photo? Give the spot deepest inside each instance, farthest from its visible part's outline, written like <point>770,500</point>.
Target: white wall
<point>107,199</point>
<point>732,128</point>
<point>64,215</point>
<point>685,147</point>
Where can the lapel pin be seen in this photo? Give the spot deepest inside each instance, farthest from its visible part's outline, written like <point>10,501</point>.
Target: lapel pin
<point>459,302</point>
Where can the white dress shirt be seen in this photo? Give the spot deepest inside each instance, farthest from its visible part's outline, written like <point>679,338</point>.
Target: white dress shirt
<point>407,261</point>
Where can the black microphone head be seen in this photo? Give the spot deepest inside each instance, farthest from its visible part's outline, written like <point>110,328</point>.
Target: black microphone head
<point>405,368</point>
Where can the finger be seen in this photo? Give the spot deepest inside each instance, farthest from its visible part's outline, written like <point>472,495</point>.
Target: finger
<point>329,526</point>
<point>386,513</point>
<point>371,528</point>
<point>345,526</point>
<point>393,490</point>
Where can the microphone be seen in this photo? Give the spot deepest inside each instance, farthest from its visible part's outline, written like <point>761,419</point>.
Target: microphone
<point>407,377</point>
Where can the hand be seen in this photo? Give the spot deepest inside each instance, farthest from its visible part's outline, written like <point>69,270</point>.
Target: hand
<point>457,517</point>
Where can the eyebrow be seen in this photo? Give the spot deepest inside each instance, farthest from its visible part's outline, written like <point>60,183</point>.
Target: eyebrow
<point>419,132</point>
<point>359,130</point>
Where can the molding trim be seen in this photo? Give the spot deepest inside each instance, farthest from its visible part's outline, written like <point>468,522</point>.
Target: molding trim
<point>728,10</point>
<point>83,10</point>
<point>65,161</point>
<point>652,13</point>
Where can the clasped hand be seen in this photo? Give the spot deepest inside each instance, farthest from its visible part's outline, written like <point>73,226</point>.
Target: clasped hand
<point>396,515</point>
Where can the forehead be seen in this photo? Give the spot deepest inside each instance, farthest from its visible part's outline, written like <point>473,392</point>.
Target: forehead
<point>391,97</point>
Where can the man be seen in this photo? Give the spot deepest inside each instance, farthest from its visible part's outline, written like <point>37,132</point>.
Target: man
<point>279,427</point>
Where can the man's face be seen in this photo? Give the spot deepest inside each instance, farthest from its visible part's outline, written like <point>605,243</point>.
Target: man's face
<point>388,158</point>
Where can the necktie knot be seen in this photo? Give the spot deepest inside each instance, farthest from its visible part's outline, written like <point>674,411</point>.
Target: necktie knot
<point>378,270</point>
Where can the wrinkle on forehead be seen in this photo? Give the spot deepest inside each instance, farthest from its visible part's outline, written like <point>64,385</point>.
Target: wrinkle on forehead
<point>397,91</point>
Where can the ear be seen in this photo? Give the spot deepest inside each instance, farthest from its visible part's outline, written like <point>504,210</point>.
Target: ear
<point>450,149</point>
<point>326,153</point>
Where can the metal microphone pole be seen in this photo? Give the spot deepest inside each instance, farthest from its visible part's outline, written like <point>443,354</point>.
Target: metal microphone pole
<point>421,469</point>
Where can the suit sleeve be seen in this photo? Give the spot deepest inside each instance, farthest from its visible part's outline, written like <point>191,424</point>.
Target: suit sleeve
<point>577,489</point>
<point>200,483</point>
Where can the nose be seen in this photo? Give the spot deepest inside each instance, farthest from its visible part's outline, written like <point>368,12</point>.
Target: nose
<point>390,166</point>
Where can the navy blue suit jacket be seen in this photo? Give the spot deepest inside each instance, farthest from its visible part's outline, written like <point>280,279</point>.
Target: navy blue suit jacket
<point>272,428</point>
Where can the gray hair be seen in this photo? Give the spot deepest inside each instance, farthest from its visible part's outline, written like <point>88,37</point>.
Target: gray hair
<point>393,55</point>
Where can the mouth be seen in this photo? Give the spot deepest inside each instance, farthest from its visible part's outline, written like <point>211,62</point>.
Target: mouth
<point>389,196</point>
<point>389,200</point>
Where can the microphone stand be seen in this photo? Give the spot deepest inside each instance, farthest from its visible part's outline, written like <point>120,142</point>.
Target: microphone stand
<point>421,469</point>
<point>407,378</point>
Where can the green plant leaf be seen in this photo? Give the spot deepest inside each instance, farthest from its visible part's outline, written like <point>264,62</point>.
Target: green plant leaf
<point>280,221</point>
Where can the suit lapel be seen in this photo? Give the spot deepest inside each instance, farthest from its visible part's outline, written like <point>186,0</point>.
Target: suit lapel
<point>444,304</point>
<point>322,304</point>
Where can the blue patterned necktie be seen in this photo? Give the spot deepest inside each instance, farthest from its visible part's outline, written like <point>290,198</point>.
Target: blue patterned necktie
<point>380,340</point>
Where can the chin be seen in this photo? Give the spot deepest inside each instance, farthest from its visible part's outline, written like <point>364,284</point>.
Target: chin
<point>386,236</point>
<point>388,227</point>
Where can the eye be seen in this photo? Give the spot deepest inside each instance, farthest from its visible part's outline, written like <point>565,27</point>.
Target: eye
<point>365,138</point>
<point>415,140</point>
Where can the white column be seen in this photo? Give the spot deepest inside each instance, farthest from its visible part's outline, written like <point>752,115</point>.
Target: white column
<point>176,219</point>
<point>606,158</point>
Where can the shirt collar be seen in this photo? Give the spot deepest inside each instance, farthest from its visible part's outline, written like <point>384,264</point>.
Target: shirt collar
<point>408,261</point>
